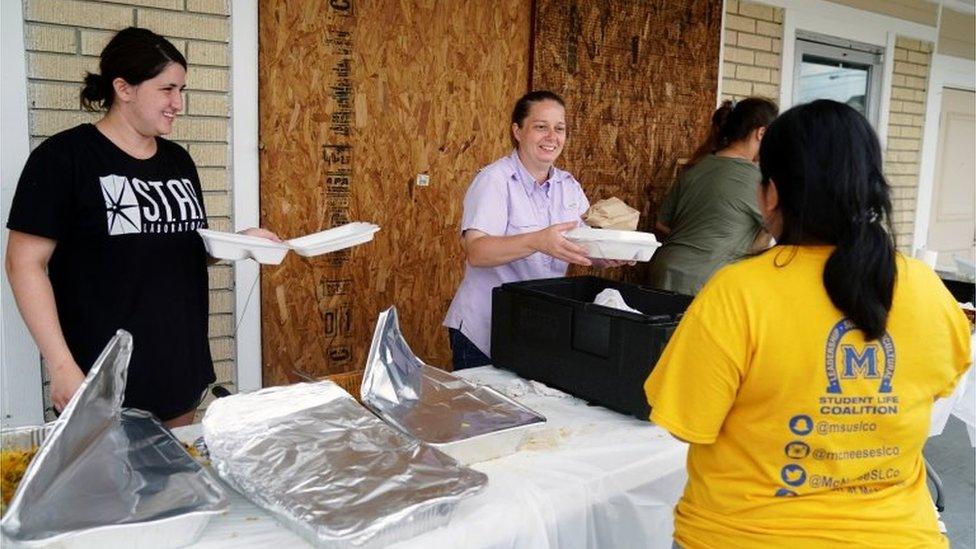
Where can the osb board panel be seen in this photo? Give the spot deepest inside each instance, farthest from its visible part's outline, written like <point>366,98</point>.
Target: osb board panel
<point>640,80</point>
<point>357,98</point>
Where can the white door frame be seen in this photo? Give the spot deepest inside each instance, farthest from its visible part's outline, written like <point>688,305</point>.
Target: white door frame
<point>21,395</point>
<point>946,72</point>
<point>721,57</point>
<point>245,172</point>
<point>832,19</point>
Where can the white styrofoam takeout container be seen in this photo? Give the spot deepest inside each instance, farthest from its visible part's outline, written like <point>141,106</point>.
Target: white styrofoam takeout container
<point>331,240</point>
<point>612,244</point>
<point>235,246</point>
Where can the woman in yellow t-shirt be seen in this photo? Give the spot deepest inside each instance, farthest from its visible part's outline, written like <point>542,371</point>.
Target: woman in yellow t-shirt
<point>804,377</point>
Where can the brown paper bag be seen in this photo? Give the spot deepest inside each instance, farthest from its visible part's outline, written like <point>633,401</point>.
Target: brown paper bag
<point>612,213</point>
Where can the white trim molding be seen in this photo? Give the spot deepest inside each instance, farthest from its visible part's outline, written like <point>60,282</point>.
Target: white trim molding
<point>945,72</point>
<point>823,17</point>
<point>884,115</point>
<point>21,394</point>
<point>721,56</point>
<point>245,171</point>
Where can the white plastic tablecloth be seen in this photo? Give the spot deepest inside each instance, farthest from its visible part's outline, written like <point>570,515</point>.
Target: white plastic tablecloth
<point>589,478</point>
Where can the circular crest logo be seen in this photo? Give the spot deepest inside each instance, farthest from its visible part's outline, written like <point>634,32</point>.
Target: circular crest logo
<point>849,357</point>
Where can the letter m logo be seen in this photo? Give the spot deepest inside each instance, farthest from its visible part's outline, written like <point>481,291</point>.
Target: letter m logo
<point>863,365</point>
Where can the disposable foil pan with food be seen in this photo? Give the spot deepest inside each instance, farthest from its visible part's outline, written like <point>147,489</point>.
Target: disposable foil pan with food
<point>331,471</point>
<point>471,423</point>
<point>107,477</point>
<point>18,446</point>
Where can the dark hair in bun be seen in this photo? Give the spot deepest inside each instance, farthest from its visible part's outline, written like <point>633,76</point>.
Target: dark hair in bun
<point>134,55</point>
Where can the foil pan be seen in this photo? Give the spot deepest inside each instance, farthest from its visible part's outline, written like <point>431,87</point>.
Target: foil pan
<point>331,471</point>
<point>435,406</point>
<point>107,477</point>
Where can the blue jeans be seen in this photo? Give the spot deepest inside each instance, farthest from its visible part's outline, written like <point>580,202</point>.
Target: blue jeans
<point>465,354</point>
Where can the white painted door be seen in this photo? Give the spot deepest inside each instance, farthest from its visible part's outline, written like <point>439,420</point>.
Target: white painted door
<point>952,229</point>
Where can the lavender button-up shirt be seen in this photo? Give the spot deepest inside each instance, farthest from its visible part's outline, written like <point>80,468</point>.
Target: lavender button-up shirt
<point>505,200</point>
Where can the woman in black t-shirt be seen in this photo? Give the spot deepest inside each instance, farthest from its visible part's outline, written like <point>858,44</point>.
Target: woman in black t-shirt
<point>103,236</point>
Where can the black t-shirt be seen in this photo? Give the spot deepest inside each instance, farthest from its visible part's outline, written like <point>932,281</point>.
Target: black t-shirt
<point>127,256</point>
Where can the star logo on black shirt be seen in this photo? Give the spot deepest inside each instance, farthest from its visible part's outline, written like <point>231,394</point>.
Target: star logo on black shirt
<point>119,199</point>
<point>116,209</point>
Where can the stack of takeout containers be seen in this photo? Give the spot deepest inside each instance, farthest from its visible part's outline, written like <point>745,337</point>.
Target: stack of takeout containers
<point>235,246</point>
<point>551,331</point>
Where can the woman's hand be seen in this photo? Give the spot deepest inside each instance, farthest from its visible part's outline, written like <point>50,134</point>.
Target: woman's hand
<point>260,233</point>
<point>551,242</point>
<point>65,380</point>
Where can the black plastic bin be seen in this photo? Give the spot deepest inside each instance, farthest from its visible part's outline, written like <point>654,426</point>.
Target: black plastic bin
<point>551,331</point>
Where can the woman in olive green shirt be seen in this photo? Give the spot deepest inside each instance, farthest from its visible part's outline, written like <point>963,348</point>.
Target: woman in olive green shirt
<point>711,216</point>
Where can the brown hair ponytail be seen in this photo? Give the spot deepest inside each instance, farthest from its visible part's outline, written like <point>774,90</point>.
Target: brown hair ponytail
<point>733,121</point>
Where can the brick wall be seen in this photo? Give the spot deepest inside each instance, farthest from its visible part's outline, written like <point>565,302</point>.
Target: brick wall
<point>753,42</point>
<point>63,40</point>
<point>753,37</point>
<point>909,84</point>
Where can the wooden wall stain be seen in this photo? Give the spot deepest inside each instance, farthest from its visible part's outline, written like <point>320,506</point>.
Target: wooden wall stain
<point>358,97</point>
<point>640,79</point>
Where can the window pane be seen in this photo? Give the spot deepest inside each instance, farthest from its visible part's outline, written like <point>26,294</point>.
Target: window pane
<point>829,79</point>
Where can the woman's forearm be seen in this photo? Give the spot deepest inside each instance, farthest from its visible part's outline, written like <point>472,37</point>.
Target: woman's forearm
<point>35,299</point>
<point>484,250</point>
<point>492,251</point>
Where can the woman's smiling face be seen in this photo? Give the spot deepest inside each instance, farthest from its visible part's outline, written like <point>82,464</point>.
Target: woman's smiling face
<point>155,103</point>
<point>542,134</point>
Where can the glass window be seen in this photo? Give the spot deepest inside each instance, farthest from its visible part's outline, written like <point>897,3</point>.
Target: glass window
<point>842,70</point>
<point>829,79</point>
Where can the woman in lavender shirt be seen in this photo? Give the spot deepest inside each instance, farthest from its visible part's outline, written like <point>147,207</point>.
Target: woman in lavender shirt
<point>515,213</point>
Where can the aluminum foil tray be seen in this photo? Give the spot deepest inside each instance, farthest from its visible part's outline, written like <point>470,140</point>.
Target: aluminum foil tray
<point>471,423</point>
<point>105,476</point>
<point>162,462</point>
<point>24,438</point>
<point>331,471</point>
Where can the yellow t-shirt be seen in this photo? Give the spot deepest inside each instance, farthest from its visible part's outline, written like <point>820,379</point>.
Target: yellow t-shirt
<point>803,435</point>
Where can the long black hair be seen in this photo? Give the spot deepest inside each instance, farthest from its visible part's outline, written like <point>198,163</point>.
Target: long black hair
<point>134,55</point>
<point>825,161</point>
<point>733,121</point>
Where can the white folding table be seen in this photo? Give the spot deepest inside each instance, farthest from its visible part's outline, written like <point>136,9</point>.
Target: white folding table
<point>590,478</point>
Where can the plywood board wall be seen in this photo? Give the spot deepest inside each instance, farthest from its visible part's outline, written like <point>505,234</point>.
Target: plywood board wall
<point>640,80</point>
<point>358,97</point>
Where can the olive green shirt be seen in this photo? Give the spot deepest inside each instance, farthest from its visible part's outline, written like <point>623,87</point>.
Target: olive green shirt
<point>714,217</point>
